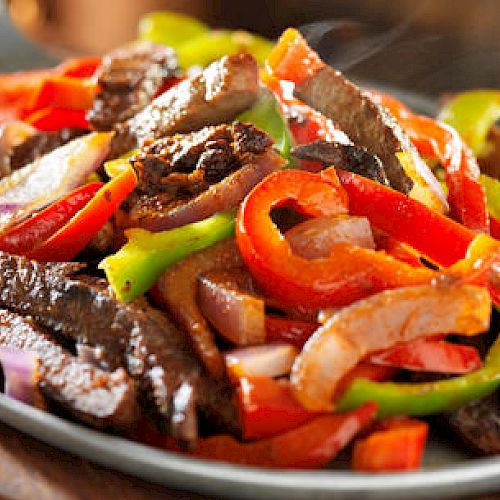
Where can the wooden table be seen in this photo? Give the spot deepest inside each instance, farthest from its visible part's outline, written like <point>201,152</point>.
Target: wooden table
<point>32,470</point>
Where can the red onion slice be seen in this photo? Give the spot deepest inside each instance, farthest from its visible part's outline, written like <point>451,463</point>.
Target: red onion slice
<point>238,316</point>
<point>314,238</point>
<point>19,370</point>
<point>273,360</point>
<point>52,176</point>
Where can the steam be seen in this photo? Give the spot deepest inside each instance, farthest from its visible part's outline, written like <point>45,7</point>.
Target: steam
<point>397,58</point>
<point>357,43</point>
<point>359,46</point>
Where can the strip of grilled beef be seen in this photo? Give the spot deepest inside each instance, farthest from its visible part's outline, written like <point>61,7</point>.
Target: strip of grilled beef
<point>349,157</point>
<point>365,122</point>
<point>96,397</point>
<point>129,78</point>
<point>478,424</point>
<point>134,335</point>
<point>39,144</point>
<point>217,95</point>
<point>184,178</point>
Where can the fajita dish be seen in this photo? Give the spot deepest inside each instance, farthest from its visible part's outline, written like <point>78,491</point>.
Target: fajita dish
<point>223,247</point>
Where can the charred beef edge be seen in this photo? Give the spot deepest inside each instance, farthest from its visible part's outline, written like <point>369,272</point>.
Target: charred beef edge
<point>349,157</point>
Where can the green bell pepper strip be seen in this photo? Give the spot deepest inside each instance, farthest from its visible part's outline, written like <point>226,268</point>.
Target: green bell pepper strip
<point>473,114</point>
<point>135,268</point>
<point>426,398</point>
<point>266,115</point>
<point>207,47</point>
<point>170,28</point>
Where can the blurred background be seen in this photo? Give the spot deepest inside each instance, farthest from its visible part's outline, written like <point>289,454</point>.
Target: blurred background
<point>425,47</point>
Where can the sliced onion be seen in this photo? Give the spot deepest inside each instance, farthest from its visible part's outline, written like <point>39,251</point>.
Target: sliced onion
<point>225,195</point>
<point>47,179</point>
<point>273,360</point>
<point>19,371</point>
<point>378,323</point>
<point>177,290</point>
<point>236,315</point>
<point>314,238</point>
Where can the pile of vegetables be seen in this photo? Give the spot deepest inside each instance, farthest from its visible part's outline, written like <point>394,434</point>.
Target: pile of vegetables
<point>377,279</point>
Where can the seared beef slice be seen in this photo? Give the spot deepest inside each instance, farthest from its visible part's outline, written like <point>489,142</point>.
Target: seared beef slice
<point>365,122</point>
<point>99,398</point>
<point>217,95</point>
<point>129,78</point>
<point>478,424</point>
<point>134,335</point>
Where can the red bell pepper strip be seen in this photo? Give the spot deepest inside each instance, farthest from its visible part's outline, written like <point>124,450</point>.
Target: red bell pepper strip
<point>29,234</point>
<point>494,227</point>
<point>267,408</point>
<point>16,90</point>
<point>64,92</point>
<point>397,445</point>
<point>51,119</point>
<point>349,274</point>
<point>84,67</point>
<point>310,446</point>
<point>366,370</point>
<point>292,59</point>
<point>435,139</point>
<point>430,356</point>
<point>19,90</point>
<point>77,233</point>
<point>291,331</point>
<point>437,237</point>
<point>397,249</point>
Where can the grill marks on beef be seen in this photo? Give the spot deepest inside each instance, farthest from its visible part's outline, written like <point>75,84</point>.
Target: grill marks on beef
<point>101,399</point>
<point>217,95</point>
<point>349,157</point>
<point>365,122</point>
<point>134,335</point>
<point>129,78</point>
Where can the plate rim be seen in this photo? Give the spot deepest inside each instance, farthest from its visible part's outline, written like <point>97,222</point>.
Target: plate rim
<point>480,475</point>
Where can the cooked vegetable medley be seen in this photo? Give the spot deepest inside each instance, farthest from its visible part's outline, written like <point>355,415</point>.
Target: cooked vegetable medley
<point>222,247</point>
